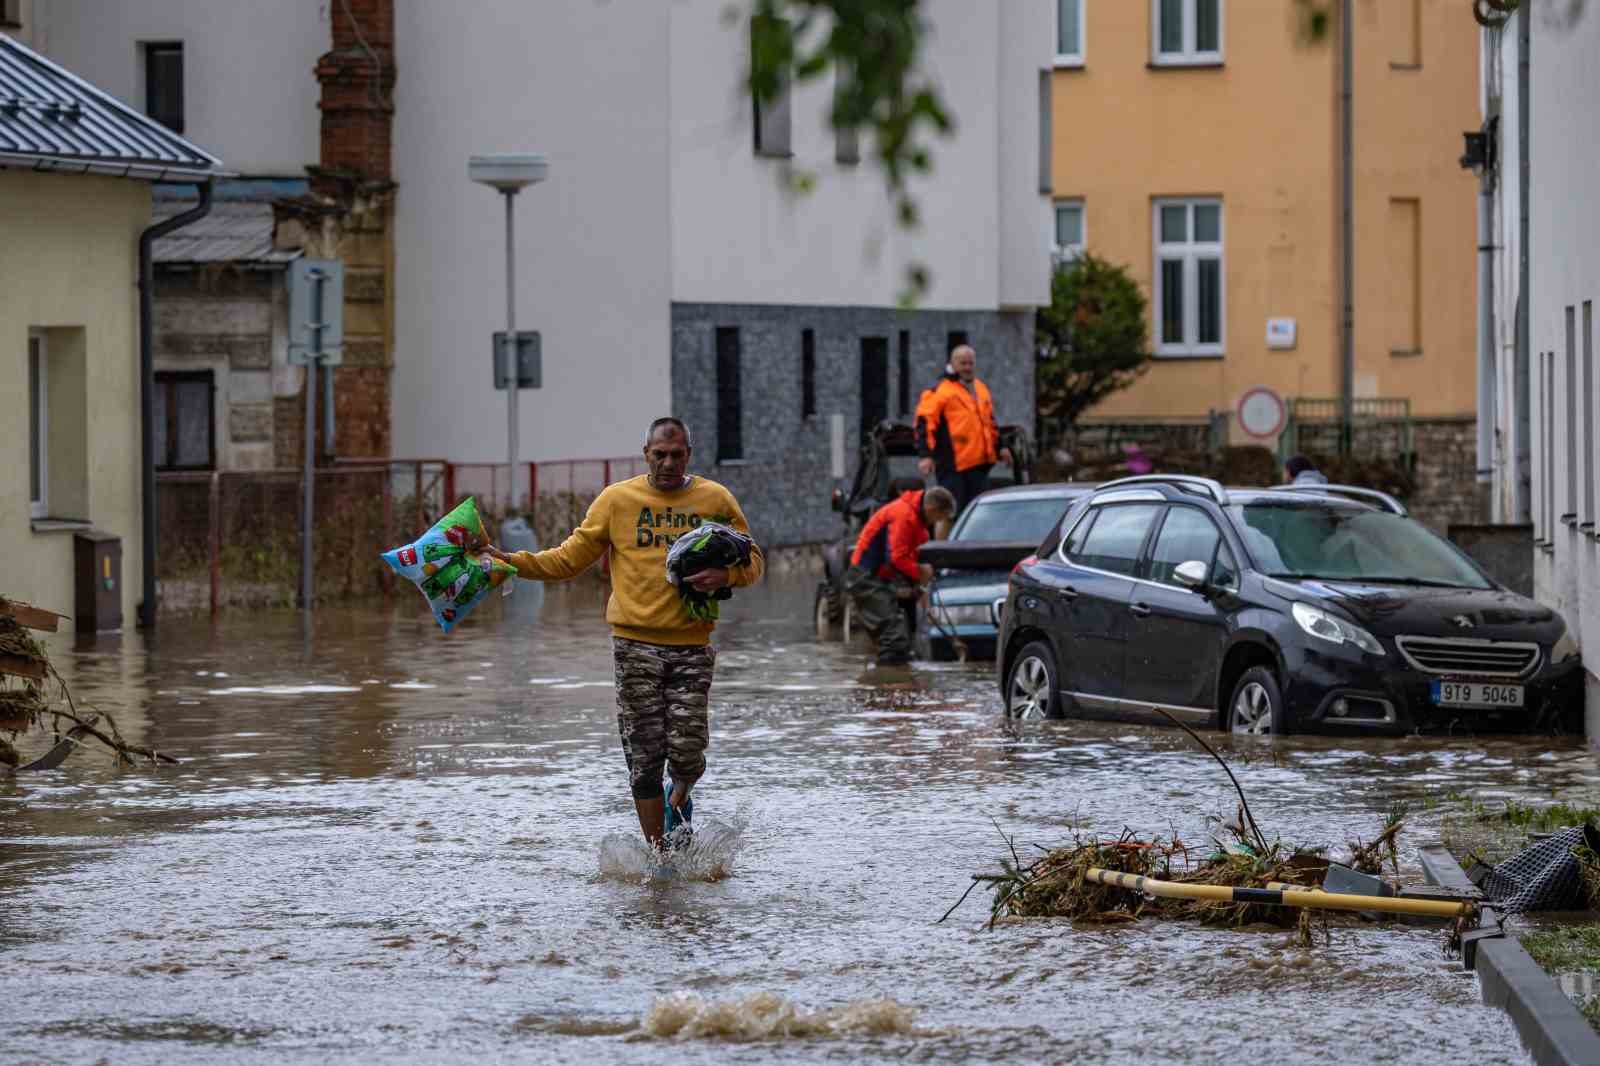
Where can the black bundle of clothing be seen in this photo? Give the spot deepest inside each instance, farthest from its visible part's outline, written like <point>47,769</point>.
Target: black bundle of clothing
<point>706,547</point>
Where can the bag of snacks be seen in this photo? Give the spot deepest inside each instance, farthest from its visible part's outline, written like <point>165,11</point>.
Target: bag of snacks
<point>447,566</point>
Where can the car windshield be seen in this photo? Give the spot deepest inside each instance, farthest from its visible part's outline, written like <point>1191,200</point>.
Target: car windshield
<point>1348,543</point>
<point>1011,520</point>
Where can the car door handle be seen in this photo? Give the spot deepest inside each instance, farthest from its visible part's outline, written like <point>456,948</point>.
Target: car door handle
<point>1068,592</point>
<point>1140,610</point>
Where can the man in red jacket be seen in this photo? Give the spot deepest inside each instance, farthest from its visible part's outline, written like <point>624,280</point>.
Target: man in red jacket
<point>884,568</point>
<point>956,431</point>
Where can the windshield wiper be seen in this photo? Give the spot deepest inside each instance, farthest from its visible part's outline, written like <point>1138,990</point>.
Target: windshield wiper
<point>1365,579</point>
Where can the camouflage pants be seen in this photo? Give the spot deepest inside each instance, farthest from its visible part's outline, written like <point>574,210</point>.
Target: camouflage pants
<point>663,697</point>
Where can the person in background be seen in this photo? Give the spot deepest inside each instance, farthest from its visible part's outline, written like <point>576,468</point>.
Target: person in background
<point>1301,471</point>
<point>957,437</point>
<point>884,570</point>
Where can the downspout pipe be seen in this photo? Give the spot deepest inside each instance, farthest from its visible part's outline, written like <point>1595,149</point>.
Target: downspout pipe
<point>1347,239</point>
<point>1487,392</point>
<point>1522,456</point>
<point>147,389</point>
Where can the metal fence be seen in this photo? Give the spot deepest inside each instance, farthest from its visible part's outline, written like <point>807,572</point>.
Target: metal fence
<point>233,537</point>
<point>1380,429</point>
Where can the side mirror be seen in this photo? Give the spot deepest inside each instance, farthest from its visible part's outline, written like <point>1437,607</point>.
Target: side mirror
<point>1191,575</point>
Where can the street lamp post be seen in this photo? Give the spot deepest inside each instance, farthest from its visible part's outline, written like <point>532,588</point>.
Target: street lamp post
<point>510,173</point>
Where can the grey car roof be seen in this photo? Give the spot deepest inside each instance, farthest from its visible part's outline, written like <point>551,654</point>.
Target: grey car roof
<point>51,119</point>
<point>1055,490</point>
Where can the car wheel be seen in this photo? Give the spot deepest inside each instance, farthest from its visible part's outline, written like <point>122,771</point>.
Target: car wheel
<point>1256,708</point>
<point>828,612</point>
<point>1031,684</point>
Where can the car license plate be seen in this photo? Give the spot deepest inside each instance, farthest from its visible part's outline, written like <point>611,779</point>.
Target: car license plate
<point>1476,694</point>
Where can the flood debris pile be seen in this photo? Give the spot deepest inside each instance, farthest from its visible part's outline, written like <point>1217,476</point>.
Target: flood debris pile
<point>1059,885</point>
<point>34,697</point>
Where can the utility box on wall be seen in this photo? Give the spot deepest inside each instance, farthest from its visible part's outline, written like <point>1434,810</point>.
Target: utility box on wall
<point>97,579</point>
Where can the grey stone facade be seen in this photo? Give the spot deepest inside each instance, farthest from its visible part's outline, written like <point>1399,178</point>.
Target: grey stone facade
<point>783,477</point>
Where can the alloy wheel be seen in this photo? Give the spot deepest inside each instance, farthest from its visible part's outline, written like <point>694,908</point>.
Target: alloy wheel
<point>1029,697</point>
<point>1252,711</point>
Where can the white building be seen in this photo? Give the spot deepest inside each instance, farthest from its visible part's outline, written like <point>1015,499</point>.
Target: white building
<point>668,262</point>
<point>1548,464</point>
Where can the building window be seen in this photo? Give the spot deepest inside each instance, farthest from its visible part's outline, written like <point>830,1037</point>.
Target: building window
<point>1189,297</point>
<point>11,14</point>
<point>38,428</point>
<point>953,340</point>
<point>905,372</point>
<point>1570,428</point>
<point>1047,133</point>
<point>1069,33</point>
<point>1403,32</point>
<point>1069,230</point>
<point>846,139</point>
<point>772,114</point>
<point>163,84</point>
<point>874,383</point>
<point>1186,32</point>
<point>808,373</point>
<point>185,432</point>
<point>1404,288</point>
<point>730,401</point>
<point>1588,516</point>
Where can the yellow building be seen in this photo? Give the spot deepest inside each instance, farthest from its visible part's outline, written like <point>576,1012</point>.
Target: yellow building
<point>75,175</point>
<point>1198,142</point>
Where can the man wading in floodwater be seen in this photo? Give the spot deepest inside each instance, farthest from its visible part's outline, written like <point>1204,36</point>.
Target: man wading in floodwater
<point>663,656</point>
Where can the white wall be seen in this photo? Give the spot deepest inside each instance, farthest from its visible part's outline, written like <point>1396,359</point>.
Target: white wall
<point>740,236</point>
<point>1564,271</point>
<point>250,96</point>
<point>586,84</point>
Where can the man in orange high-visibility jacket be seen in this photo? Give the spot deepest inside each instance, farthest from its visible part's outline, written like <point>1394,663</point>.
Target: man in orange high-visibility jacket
<point>884,568</point>
<point>957,437</point>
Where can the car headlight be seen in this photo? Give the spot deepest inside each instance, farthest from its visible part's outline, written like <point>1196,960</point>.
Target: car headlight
<point>1565,648</point>
<point>1324,626</point>
<point>962,614</point>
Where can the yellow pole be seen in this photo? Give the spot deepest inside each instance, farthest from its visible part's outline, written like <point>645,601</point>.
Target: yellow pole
<point>1314,899</point>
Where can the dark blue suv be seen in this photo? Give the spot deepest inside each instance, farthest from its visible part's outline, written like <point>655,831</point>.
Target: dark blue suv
<point>1274,610</point>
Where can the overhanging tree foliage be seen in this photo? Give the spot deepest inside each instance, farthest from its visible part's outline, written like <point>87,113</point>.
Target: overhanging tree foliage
<point>1093,339</point>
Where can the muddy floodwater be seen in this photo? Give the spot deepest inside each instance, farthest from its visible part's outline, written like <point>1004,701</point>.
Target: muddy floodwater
<point>385,844</point>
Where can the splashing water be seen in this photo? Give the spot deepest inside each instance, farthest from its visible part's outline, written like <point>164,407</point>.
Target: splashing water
<point>768,1016</point>
<point>709,856</point>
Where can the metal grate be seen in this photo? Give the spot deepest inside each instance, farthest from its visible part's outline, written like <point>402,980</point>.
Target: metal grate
<point>1475,658</point>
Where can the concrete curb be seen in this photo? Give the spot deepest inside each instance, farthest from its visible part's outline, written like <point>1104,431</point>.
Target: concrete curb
<point>1551,1028</point>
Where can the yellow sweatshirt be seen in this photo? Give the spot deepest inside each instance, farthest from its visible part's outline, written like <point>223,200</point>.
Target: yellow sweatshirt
<point>638,522</point>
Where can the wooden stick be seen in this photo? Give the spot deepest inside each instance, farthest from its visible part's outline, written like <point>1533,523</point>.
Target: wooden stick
<point>1279,897</point>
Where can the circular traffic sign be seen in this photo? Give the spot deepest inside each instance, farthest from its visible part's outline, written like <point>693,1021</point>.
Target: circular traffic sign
<point>1261,412</point>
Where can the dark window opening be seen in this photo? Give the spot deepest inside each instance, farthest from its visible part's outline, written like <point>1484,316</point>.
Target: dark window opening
<point>186,436</point>
<point>771,114</point>
<point>874,382</point>
<point>905,372</point>
<point>163,84</point>
<point>11,14</point>
<point>808,373</point>
<point>730,403</point>
<point>953,340</point>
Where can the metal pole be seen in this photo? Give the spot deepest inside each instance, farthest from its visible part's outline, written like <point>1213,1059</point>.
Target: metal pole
<point>1347,376</point>
<point>327,412</point>
<point>214,547</point>
<point>1523,451</point>
<point>511,350</point>
<point>308,500</point>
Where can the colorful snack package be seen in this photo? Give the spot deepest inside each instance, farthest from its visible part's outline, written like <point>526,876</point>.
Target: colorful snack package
<point>447,567</point>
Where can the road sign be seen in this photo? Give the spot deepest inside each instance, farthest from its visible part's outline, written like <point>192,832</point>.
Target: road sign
<point>530,359</point>
<point>316,311</point>
<point>1261,412</point>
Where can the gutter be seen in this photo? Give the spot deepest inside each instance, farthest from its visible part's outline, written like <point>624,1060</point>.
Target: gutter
<point>147,389</point>
<point>1347,239</point>
<point>155,172</point>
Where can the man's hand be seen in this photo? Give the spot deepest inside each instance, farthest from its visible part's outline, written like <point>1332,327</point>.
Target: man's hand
<point>709,580</point>
<point>925,466</point>
<point>495,553</point>
<point>1005,456</point>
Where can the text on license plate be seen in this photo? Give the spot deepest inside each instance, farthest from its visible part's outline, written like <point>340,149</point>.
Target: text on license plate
<point>1476,694</point>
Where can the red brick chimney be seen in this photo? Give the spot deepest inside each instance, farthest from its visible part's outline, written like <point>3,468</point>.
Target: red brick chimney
<point>357,79</point>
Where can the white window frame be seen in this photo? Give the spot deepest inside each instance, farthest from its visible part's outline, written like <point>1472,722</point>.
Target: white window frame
<point>1066,253</point>
<point>1190,252</point>
<point>1072,59</point>
<point>40,507</point>
<point>1190,55</point>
